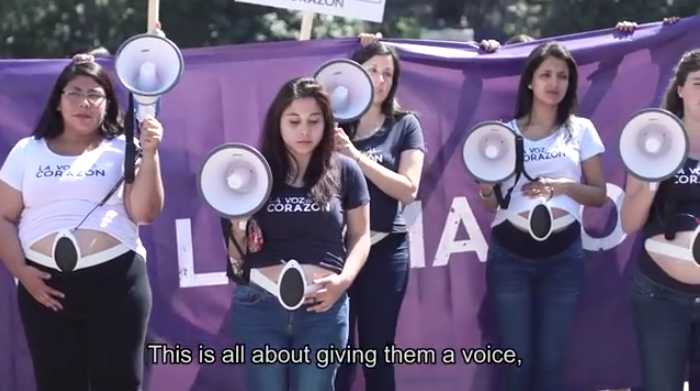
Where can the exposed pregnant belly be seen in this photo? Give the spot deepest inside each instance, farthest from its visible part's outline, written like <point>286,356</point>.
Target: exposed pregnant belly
<point>90,242</point>
<point>679,269</point>
<point>556,213</point>
<point>311,272</point>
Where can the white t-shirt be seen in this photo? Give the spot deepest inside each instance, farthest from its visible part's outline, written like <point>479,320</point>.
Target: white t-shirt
<point>59,191</point>
<point>558,155</point>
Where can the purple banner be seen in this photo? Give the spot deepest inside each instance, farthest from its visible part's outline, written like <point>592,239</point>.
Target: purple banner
<point>222,97</point>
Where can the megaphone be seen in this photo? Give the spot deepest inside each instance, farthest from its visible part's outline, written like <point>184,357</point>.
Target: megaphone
<point>349,87</point>
<point>489,152</point>
<point>235,180</point>
<point>653,145</point>
<point>148,65</point>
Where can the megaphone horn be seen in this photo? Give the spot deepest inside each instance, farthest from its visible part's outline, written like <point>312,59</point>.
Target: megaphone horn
<point>489,152</point>
<point>349,88</point>
<point>148,65</point>
<point>235,180</point>
<point>653,145</point>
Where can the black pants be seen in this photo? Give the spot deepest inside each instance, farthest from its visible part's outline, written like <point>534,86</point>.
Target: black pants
<point>375,301</point>
<point>96,343</point>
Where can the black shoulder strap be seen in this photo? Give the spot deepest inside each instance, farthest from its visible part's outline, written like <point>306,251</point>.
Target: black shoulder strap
<point>504,201</point>
<point>669,209</point>
<point>130,153</point>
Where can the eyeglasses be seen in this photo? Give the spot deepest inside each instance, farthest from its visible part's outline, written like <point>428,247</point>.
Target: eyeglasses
<point>77,97</point>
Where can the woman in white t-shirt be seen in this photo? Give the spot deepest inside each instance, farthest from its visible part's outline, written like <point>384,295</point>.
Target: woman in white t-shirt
<point>535,260</point>
<point>69,234</point>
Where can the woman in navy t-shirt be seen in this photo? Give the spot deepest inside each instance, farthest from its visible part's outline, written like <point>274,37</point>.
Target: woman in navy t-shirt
<point>666,287</point>
<point>318,215</point>
<point>388,145</point>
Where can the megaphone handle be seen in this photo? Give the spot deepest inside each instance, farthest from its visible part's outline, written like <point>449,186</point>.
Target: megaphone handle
<point>145,111</point>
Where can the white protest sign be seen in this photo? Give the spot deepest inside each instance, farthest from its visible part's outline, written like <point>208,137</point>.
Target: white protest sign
<point>372,10</point>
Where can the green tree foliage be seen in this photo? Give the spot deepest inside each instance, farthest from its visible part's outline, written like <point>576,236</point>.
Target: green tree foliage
<point>60,28</point>
<point>570,16</point>
<point>501,19</point>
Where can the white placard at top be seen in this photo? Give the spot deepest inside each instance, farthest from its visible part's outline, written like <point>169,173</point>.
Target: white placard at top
<point>372,10</point>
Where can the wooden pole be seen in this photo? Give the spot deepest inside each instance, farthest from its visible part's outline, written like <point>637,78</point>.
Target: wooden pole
<point>307,24</point>
<point>153,11</point>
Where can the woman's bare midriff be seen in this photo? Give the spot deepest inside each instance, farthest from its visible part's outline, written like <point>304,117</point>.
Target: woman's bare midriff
<point>311,272</point>
<point>556,213</point>
<point>681,270</point>
<point>90,242</point>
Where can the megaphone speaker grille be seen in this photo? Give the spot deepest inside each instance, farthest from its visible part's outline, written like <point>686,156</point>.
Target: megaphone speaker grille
<point>235,180</point>
<point>653,145</point>
<point>349,87</point>
<point>489,152</point>
<point>148,64</point>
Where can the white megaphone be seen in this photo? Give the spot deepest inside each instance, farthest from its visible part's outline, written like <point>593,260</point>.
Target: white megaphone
<point>349,87</point>
<point>148,65</point>
<point>653,145</point>
<point>489,152</point>
<point>235,180</point>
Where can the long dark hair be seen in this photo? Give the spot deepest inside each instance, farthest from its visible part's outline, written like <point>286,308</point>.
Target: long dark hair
<point>567,106</point>
<point>689,62</point>
<point>390,107</point>
<point>321,173</point>
<point>51,122</point>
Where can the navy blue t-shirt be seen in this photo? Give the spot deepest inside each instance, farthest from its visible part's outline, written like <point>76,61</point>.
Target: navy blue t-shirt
<point>384,147</point>
<point>295,227</point>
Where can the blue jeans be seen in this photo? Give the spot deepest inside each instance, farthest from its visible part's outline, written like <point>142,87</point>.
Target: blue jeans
<point>535,303</point>
<point>668,332</point>
<point>375,301</point>
<point>260,320</point>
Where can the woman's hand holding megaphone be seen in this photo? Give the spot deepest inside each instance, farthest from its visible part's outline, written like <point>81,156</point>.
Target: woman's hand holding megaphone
<point>345,146</point>
<point>151,134</point>
<point>247,233</point>
<point>238,228</point>
<point>486,190</point>
<point>237,238</point>
<point>634,185</point>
